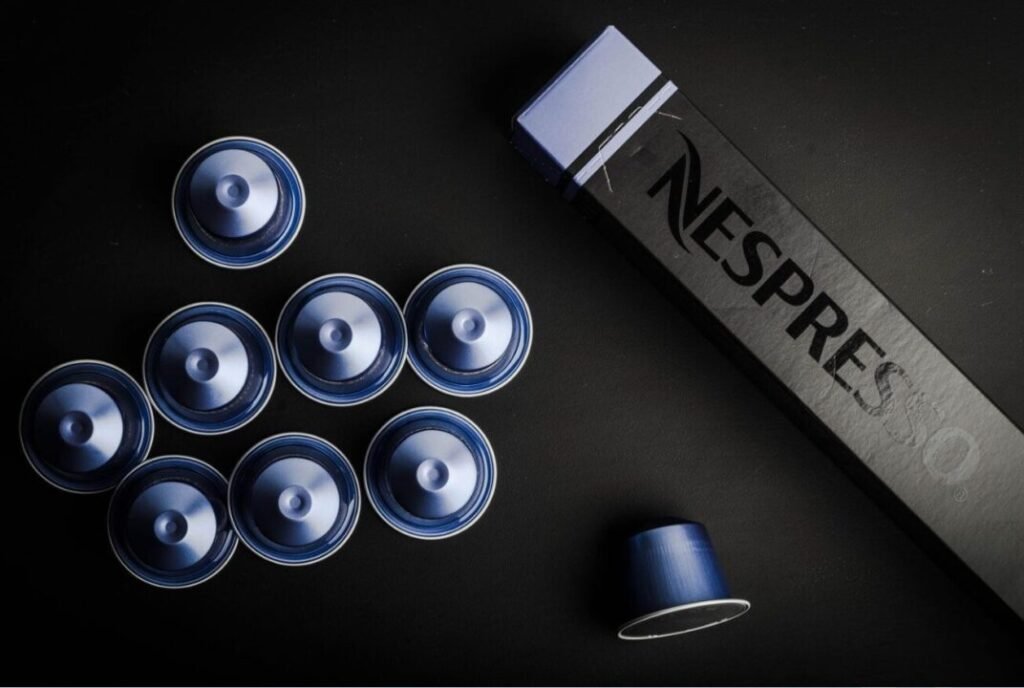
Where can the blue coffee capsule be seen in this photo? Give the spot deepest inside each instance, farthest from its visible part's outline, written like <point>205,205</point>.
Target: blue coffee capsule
<point>294,499</point>
<point>469,329</point>
<point>675,584</point>
<point>238,202</point>
<point>209,368</point>
<point>168,522</point>
<point>341,340</point>
<point>430,473</point>
<point>84,425</point>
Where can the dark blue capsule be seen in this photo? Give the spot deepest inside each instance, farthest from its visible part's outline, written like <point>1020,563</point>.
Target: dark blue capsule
<point>430,473</point>
<point>341,340</point>
<point>209,368</point>
<point>168,522</point>
<point>470,330</point>
<point>238,202</point>
<point>84,425</point>
<point>674,583</point>
<point>294,499</point>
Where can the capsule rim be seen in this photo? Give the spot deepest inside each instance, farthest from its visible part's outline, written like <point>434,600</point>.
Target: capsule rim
<point>743,606</point>
<point>149,416</point>
<point>110,536</point>
<point>334,548</point>
<point>392,376</point>
<point>513,371</point>
<point>256,411</point>
<point>185,232</point>
<point>383,513</point>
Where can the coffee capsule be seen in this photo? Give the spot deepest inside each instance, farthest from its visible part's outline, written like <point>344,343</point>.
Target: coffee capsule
<point>341,340</point>
<point>430,473</point>
<point>294,499</point>
<point>168,522</point>
<point>469,330</point>
<point>674,583</point>
<point>209,368</point>
<point>238,202</point>
<point>84,425</point>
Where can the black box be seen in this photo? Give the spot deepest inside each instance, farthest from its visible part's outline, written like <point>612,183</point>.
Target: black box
<point>620,141</point>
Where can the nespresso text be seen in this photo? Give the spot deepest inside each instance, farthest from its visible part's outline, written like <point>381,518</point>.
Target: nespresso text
<point>701,217</point>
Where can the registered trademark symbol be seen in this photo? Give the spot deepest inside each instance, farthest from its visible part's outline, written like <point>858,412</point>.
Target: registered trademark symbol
<point>960,494</point>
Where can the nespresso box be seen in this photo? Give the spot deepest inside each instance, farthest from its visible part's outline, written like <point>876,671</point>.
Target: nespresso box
<point>622,143</point>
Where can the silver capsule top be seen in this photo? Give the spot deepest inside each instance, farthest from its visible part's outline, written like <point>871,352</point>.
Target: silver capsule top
<point>432,474</point>
<point>203,365</point>
<point>469,326</point>
<point>80,426</point>
<point>337,335</point>
<point>295,501</point>
<point>233,193</point>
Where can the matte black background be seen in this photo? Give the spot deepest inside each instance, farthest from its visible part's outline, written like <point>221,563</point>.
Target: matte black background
<point>895,126</point>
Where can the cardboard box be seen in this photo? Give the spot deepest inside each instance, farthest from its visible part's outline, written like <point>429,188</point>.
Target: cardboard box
<point>621,142</point>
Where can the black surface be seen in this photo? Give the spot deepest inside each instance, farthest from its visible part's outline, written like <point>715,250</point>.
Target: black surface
<point>896,127</point>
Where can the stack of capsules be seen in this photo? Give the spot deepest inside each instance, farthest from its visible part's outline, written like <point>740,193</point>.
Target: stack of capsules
<point>209,368</point>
